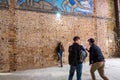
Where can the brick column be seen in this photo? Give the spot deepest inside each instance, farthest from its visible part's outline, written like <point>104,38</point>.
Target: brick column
<point>12,36</point>
<point>117,27</point>
<point>95,19</point>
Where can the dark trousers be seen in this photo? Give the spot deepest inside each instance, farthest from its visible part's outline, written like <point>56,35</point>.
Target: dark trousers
<point>78,71</point>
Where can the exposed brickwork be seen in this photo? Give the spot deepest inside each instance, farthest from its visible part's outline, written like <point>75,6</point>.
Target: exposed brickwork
<point>4,55</point>
<point>102,8</point>
<point>12,36</point>
<point>38,36</point>
<point>28,39</point>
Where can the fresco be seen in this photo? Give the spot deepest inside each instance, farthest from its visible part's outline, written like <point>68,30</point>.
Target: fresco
<point>65,6</point>
<point>3,3</point>
<point>70,6</point>
<point>80,6</point>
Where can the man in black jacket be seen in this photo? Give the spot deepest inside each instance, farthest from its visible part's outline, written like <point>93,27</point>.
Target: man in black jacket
<point>74,58</point>
<point>96,59</point>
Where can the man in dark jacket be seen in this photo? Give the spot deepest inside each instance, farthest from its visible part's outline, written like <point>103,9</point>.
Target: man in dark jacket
<point>96,59</point>
<point>74,58</point>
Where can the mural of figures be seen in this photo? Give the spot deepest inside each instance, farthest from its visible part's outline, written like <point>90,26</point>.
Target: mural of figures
<point>3,3</point>
<point>28,2</point>
<point>70,6</point>
<point>74,4</point>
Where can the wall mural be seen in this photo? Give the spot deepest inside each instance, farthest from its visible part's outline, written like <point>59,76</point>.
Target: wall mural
<point>65,6</point>
<point>3,3</point>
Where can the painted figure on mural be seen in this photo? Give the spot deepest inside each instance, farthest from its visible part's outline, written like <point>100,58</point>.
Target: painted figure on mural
<point>41,4</point>
<point>28,2</point>
<point>83,4</point>
<point>3,2</point>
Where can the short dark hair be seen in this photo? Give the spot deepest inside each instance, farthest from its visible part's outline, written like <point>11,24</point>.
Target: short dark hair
<point>91,40</point>
<point>76,38</point>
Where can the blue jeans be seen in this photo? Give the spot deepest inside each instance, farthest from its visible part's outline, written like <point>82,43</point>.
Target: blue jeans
<point>60,56</point>
<point>78,71</point>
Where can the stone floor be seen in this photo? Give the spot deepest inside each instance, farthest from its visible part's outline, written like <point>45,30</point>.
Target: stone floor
<point>112,70</point>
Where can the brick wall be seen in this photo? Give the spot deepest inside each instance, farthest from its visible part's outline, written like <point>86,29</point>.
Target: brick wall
<point>4,54</point>
<point>38,36</point>
<point>31,37</point>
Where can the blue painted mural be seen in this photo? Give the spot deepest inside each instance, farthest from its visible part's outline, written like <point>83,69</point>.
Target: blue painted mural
<point>68,6</point>
<point>79,6</point>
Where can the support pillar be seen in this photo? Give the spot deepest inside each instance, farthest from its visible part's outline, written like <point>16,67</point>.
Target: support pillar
<point>12,36</point>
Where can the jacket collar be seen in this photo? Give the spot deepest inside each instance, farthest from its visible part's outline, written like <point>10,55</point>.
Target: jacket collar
<point>75,43</point>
